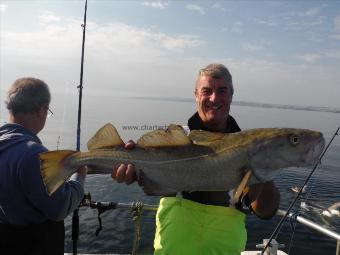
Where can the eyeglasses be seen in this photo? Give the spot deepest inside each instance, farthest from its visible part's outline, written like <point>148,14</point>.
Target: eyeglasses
<point>50,113</point>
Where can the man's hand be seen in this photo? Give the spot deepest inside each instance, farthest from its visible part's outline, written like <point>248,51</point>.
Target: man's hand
<point>263,199</point>
<point>125,173</point>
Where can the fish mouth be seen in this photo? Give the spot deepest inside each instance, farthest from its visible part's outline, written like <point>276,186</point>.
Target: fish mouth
<point>313,155</point>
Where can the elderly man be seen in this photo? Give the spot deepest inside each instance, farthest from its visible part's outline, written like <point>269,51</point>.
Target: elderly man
<point>206,222</point>
<point>31,222</point>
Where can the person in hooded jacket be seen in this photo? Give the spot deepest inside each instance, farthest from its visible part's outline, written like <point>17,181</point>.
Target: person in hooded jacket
<point>31,221</point>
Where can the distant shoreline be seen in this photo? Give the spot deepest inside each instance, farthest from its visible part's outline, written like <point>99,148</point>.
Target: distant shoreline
<point>249,104</point>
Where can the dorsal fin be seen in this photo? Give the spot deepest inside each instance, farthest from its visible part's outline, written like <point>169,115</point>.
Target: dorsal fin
<point>201,137</point>
<point>173,136</point>
<point>106,137</point>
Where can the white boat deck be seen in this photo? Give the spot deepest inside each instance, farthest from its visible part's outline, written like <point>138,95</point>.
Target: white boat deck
<point>259,252</point>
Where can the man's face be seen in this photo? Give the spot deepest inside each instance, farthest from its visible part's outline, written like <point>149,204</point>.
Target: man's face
<point>213,100</point>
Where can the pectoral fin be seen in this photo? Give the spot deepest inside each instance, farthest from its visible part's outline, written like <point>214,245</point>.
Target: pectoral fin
<point>241,186</point>
<point>106,137</point>
<point>151,188</point>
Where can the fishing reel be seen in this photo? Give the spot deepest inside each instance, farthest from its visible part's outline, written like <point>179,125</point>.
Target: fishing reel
<point>100,206</point>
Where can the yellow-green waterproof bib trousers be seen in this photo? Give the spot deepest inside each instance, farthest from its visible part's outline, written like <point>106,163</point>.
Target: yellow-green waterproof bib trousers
<point>187,227</point>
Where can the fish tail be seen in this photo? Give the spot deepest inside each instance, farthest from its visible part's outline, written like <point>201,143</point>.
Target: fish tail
<point>53,169</point>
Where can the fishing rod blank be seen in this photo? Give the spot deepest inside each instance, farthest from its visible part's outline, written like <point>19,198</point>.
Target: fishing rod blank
<point>75,216</point>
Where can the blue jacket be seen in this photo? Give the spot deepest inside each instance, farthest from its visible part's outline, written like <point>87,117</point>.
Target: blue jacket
<point>23,198</point>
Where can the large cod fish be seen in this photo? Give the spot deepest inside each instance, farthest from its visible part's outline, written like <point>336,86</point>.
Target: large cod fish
<point>169,161</point>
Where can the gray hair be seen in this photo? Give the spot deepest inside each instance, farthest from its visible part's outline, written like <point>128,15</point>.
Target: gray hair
<point>27,95</point>
<point>217,71</point>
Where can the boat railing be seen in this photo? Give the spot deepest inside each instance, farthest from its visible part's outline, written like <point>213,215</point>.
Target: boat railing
<point>280,213</point>
<point>315,226</point>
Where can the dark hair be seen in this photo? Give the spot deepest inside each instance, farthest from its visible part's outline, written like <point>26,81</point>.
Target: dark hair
<point>27,95</point>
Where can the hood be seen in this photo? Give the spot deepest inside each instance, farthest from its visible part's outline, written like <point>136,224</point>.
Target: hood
<point>11,134</point>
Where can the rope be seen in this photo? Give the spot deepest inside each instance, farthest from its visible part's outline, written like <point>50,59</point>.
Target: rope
<point>136,216</point>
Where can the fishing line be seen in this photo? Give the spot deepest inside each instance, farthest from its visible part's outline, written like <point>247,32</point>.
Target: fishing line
<point>293,224</point>
<point>278,227</point>
<point>292,220</point>
<point>62,126</point>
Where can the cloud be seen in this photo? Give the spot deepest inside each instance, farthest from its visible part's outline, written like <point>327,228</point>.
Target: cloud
<point>308,19</point>
<point>117,38</point>
<point>263,81</point>
<point>48,18</point>
<point>236,28</point>
<point>309,58</point>
<point>197,8</point>
<point>335,36</point>
<point>314,57</point>
<point>218,6</point>
<point>252,47</point>
<point>337,23</point>
<point>225,29</point>
<point>266,23</point>
<point>312,12</point>
<point>336,30</point>
<point>335,54</point>
<point>303,24</point>
<point>179,42</point>
<point>3,8</point>
<point>156,4</point>
<point>124,39</point>
<point>121,58</point>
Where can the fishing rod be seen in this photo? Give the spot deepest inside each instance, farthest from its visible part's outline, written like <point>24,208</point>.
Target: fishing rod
<point>75,216</point>
<point>102,207</point>
<point>278,227</point>
<point>136,210</point>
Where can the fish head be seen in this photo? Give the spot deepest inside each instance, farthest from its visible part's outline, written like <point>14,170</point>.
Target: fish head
<point>284,147</point>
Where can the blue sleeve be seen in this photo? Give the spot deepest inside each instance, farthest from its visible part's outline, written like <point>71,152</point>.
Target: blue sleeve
<point>57,206</point>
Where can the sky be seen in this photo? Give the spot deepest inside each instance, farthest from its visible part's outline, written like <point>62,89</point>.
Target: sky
<point>284,52</point>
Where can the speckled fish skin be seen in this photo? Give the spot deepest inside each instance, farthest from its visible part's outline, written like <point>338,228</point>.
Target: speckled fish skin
<point>216,165</point>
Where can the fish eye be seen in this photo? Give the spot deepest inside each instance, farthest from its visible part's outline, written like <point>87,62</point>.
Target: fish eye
<point>294,139</point>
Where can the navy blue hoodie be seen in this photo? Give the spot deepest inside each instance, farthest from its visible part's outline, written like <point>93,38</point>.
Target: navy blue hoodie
<point>23,198</point>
